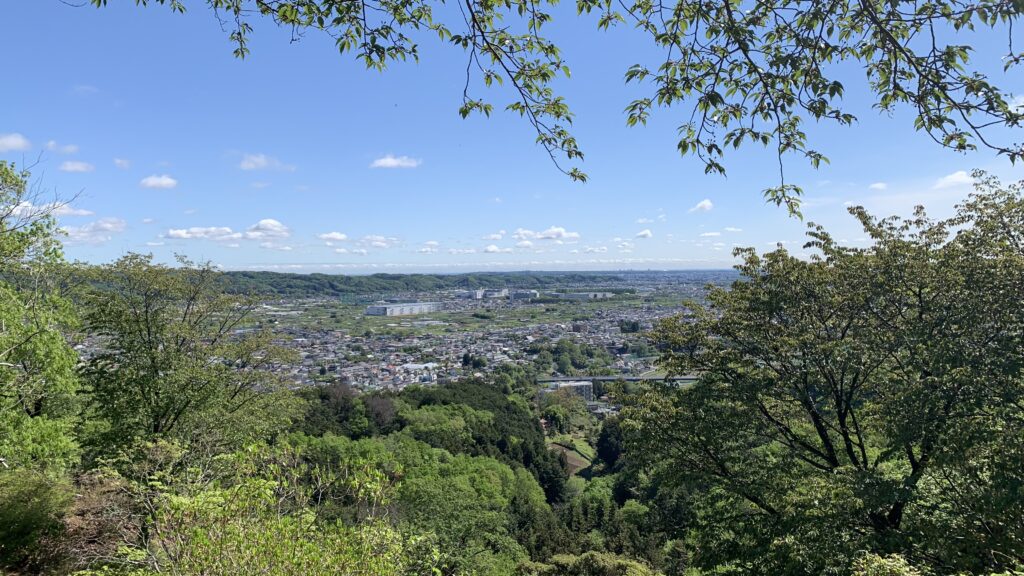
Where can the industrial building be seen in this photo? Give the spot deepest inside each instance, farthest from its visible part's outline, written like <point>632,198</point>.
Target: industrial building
<point>584,295</point>
<point>581,388</point>
<point>404,309</point>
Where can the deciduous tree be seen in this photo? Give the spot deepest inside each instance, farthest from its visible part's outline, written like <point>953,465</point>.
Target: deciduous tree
<point>865,399</point>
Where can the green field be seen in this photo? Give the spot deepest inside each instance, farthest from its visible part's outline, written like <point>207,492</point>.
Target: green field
<point>578,453</point>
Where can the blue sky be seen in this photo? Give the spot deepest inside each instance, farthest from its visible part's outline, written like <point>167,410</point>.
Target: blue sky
<point>300,159</point>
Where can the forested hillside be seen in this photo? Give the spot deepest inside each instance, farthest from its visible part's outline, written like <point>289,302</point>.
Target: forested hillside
<point>328,285</point>
<point>858,413</point>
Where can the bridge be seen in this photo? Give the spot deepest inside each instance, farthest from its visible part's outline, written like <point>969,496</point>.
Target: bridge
<point>685,378</point>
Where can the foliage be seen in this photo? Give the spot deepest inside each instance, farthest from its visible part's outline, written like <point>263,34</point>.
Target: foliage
<point>451,427</point>
<point>251,511</point>
<point>569,357</point>
<point>610,442</point>
<point>566,411</point>
<point>874,565</point>
<point>31,506</point>
<point>334,409</point>
<point>513,435</point>
<point>37,378</point>
<point>485,516</point>
<point>588,564</point>
<point>326,285</point>
<point>176,362</point>
<point>629,326</point>
<point>748,73</point>
<point>866,399</point>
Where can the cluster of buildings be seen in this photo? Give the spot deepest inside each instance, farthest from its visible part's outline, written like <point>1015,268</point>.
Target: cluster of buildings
<point>404,308</point>
<point>413,308</point>
<point>423,351</point>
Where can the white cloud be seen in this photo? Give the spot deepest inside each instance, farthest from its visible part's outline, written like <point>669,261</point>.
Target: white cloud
<point>148,220</point>
<point>358,251</point>
<point>645,233</point>
<point>260,185</point>
<point>28,209</point>
<point>53,146</point>
<point>267,228</point>
<point>462,250</point>
<point>704,205</point>
<point>273,246</point>
<point>732,229</point>
<point>14,142</point>
<point>429,247</point>
<point>76,166</point>
<point>162,181</point>
<point>378,241</point>
<point>154,243</point>
<point>644,221</point>
<point>496,200</point>
<point>97,232</point>
<point>596,250</point>
<point>524,244</point>
<point>710,234</point>
<point>878,186</point>
<point>122,164</point>
<point>333,236</point>
<point>217,233</point>
<point>958,178</point>
<point>263,162</point>
<point>552,233</point>
<point>390,161</point>
<point>492,249</point>
<point>496,236</point>
<point>69,210</point>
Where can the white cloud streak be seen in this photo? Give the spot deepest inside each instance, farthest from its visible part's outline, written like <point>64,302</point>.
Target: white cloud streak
<point>53,146</point>
<point>14,142</point>
<point>98,232</point>
<point>954,180</point>
<point>704,205</point>
<point>161,181</point>
<point>263,162</point>
<point>76,166</point>
<point>390,161</point>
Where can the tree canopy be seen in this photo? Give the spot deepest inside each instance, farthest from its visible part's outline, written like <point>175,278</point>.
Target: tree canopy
<point>866,399</point>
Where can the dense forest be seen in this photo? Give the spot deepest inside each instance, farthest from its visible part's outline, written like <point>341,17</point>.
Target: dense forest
<point>856,413</point>
<point>332,285</point>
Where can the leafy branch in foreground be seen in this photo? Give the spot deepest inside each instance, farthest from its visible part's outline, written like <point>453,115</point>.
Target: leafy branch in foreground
<point>749,72</point>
